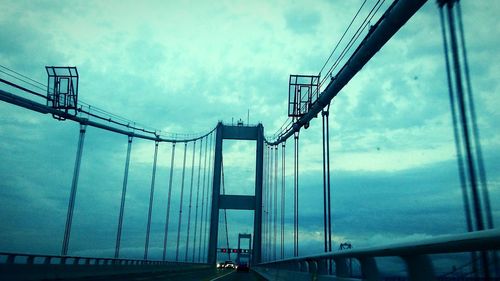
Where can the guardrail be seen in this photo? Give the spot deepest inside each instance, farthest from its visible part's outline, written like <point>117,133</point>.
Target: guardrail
<point>16,266</point>
<point>419,266</point>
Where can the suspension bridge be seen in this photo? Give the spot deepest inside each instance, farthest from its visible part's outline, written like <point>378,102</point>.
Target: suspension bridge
<point>200,243</point>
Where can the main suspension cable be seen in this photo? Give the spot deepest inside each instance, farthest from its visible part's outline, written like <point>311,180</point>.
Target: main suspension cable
<point>354,38</point>
<point>342,37</point>
<point>85,110</point>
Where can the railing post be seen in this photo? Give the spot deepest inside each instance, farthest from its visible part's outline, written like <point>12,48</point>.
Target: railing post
<point>419,268</point>
<point>323,267</point>
<point>10,259</point>
<point>369,269</point>
<point>313,267</point>
<point>30,260</point>
<point>341,269</point>
<point>304,266</point>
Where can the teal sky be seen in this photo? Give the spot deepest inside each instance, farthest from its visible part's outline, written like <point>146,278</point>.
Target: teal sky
<point>181,66</point>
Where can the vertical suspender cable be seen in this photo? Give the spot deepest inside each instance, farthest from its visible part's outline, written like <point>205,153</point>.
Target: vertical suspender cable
<point>74,185</point>
<point>329,207</point>
<point>190,201</point>
<point>197,200</point>
<point>151,197</point>
<point>283,185</point>
<point>271,177</point>
<point>296,195</point>
<point>264,201</point>
<point>209,189</point>
<point>122,202</point>
<point>271,185</point>
<point>465,130</point>
<point>180,203</point>
<point>463,115</point>
<point>325,216</point>
<point>203,201</point>
<point>458,147</point>
<point>475,129</point>
<point>264,204</point>
<point>328,193</point>
<point>275,201</point>
<point>456,133</point>
<point>165,239</point>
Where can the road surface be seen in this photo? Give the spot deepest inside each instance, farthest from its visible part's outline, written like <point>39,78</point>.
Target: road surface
<point>238,275</point>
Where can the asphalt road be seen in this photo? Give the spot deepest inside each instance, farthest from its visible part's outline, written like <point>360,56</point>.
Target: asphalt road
<point>238,275</point>
<point>199,275</point>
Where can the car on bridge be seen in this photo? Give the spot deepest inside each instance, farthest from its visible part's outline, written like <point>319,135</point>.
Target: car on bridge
<point>229,264</point>
<point>226,264</point>
<point>243,267</point>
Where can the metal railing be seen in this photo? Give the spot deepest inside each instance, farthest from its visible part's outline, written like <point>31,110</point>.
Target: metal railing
<point>18,266</point>
<point>419,265</point>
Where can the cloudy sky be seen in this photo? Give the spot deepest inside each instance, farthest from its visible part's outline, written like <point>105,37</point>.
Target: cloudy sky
<point>181,66</point>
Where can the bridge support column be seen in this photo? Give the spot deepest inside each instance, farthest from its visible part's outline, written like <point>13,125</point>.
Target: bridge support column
<point>214,214</point>
<point>257,220</point>
<point>245,202</point>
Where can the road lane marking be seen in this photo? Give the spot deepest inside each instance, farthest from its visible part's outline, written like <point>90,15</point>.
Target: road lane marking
<point>223,275</point>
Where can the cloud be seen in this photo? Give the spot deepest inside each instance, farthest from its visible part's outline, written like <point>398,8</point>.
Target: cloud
<point>183,66</point>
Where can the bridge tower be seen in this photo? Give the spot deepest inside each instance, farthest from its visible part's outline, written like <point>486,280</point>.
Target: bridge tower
<point>237,202</point>
<point>244,253</point>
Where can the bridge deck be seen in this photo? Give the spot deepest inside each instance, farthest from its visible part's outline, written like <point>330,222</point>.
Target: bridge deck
<point>206,275</point>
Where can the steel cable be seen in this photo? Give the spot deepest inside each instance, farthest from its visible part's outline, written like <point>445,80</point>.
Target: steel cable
<point>190,201</point>
<point>203,200</point>
<point>151,198</point>
<point>181,200</point>
<point>165,239</point>
<point>197,201</point>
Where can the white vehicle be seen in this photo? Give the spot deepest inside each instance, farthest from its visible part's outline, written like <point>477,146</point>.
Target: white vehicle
<point>226,264</point>
<point>229,264</point>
